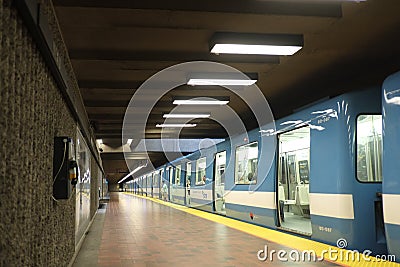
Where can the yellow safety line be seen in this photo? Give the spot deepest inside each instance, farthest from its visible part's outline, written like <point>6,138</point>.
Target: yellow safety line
<point>287,240</point>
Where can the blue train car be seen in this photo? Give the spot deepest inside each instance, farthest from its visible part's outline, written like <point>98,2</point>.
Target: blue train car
<point>391,159</point>
<point>322,180</point>
<point>324,172</point>
<point>320,184</point>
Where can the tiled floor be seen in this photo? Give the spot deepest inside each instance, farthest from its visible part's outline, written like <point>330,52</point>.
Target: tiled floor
<point>140,232</point>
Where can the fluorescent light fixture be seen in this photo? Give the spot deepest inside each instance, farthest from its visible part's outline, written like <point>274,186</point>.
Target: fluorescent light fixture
<point>255,44</point>
<point>100,141</point>
<point>255,49</point>
<point>129,142</point>
<point>221,82</point>
<point>132,172</point>
<point>176,125</point>
<point>222,78</point>
<point>186,116</point>
<point>200,102</point>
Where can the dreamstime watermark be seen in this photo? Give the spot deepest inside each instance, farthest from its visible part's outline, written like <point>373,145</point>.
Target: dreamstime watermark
<point>331,254</point>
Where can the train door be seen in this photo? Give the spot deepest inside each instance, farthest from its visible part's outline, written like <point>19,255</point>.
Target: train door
<point>293,181</point>
<point>176,186</point>
<point>142,185</point>
<point>155,183</point>
<point>146,186</point>
<point>160,183</point>
<point>219,182</point>
<point>188,182</point>
<point>369,166</point>
<point>152,184</point>
<point>170,181</point>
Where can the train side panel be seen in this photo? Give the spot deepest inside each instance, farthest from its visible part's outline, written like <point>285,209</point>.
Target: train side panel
<point>253,203</point>
<point>391,159</point>
<point>341,206</point>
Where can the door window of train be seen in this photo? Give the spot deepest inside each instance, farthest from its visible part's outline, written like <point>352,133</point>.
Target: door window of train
<point>171,175</point>
<point>246,164</point>
<point>188,172</point>
<point>220,162</point>
<point>155,179</point>
<point>201,171</point>
<point>294,156</point>
<point>178,175</point>
<point>369,148</point>
<point>162,178</point>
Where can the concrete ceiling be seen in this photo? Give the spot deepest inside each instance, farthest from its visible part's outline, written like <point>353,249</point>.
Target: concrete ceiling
<point>116,45</point>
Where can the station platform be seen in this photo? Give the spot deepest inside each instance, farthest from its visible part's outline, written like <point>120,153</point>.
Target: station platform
<point>138,231</point>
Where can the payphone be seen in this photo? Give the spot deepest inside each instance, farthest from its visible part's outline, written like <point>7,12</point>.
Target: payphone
<point>64,167</point>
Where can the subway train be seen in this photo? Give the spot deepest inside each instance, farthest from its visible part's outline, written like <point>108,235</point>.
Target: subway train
<point>334,173</point>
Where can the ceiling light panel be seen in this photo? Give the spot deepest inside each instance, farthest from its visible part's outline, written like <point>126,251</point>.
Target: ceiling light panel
<point>200,102</point>
<point>221,82</point>
<point>255,44</point>
<point>222,78</point>
<point>186,116</point>
<point>255,49</point>
<point>176,125</point>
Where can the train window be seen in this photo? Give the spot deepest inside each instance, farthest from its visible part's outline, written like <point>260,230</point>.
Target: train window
<point>188,172</point>
<point>178,175</point>
<point>246,164</point>
<point>201,171</point>
<point>369,148</point>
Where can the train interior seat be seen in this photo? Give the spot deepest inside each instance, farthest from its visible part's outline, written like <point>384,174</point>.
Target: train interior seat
<point>303,199</point>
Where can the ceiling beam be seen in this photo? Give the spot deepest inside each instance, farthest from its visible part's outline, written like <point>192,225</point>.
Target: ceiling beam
<point>171,56</point>
<point>293,8</point>
<point>198,133</point>
<point>109,84</point>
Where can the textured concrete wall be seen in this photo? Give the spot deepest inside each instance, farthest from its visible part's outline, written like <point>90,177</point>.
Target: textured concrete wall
<point>34,229</point>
